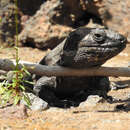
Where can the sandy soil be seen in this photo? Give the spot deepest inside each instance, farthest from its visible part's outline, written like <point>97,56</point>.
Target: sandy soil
<point>103,116</point>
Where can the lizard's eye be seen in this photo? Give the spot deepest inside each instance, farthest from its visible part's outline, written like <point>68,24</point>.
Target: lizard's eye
<point>99,35</point>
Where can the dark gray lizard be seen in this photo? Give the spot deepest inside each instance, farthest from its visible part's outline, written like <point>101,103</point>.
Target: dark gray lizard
<point>83,48</point>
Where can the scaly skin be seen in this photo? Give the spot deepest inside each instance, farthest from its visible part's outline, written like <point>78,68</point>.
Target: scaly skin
<point>84,47</point>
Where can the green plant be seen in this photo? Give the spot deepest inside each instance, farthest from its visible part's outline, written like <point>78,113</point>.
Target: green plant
<point>14,91</point>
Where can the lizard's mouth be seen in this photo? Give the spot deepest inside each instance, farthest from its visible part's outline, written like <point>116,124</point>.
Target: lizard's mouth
<point>103,49</point>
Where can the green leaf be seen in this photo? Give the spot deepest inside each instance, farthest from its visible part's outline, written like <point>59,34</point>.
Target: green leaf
<point>14,84</point>
<point>22,87</point>
<point>9,93</point>
<point>26,81</point>
<point>16,99</point>
<point>26,99</point>
<point>8,85</point>
<point>14,80</point>
<point>27,72</point>
<point>2,89</point>
<point>5,96</point>
<point>20,76</point>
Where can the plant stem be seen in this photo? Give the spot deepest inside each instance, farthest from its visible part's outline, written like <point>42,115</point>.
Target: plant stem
<point>16,41</point>
<point>16,46</point>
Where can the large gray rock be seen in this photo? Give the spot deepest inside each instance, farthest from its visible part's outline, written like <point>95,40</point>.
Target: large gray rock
<point>40,32</point>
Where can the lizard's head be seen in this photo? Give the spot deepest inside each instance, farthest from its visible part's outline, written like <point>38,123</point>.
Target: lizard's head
<point>86,47</point>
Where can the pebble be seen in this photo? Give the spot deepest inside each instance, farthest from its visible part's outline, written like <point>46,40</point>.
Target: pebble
<point>128,64</point>
<point>92,100</point>
<point>37,104</point>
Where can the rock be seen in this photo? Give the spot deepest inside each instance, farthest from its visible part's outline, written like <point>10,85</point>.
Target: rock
<point>128,64</point>
<point>53,22</point>
<point>18,111</point>
<point>3,72</point>
<point>7,17</point>
<point>40,32</point>
<point>36,103</point>
<point>48,25</point>
<point>92,100</point>
<point>7,22</point>
<point>10,76</point>
<point>66,12</point>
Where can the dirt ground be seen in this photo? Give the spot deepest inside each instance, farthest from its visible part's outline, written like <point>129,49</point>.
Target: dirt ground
<point>103,116</point>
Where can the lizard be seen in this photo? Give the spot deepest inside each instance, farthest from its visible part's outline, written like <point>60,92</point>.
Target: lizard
<point>83,48</point>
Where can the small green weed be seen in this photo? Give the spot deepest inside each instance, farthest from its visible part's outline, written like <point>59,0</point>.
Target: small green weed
<point>14,91</point>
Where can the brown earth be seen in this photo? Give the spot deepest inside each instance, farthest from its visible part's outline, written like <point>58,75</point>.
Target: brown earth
<point>103,116</point>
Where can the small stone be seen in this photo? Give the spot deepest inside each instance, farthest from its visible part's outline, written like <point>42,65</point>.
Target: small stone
<point>10,76</point>
<point>37,104</point>
<point>128,96</point>
<point>128,64</point>
<point>92,100</point>
<point>123,54</point>
<point>2,72</point>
